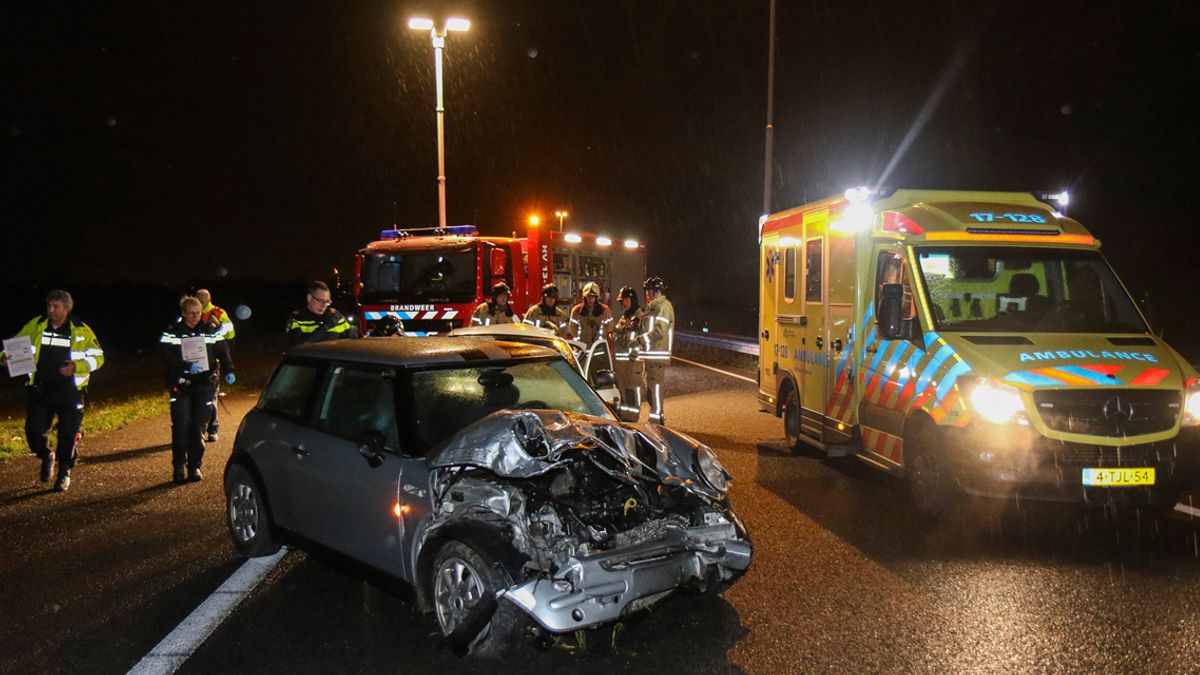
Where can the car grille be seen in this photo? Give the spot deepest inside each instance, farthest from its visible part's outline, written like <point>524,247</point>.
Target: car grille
<point>1108,412</point>
<point>1104,456</point>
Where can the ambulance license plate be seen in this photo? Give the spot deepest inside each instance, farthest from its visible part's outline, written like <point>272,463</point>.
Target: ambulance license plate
<point>1118,477</point>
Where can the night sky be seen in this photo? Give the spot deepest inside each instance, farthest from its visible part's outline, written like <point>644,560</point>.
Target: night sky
<point>171,141</point>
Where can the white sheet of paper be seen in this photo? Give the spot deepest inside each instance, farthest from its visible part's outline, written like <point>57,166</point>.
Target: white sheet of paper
<point>19,351</point>
<point>194,351</point>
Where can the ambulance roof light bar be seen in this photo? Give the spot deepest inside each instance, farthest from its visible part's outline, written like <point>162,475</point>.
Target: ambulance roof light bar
<point>1059,200</point>
<point>459,230</point>
<point>864,194</point>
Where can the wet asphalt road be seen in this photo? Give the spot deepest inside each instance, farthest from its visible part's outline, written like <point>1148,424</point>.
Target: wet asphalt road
<point>844,576</point>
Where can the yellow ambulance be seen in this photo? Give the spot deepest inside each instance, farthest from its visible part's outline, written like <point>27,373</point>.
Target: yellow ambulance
<point>973,342</point>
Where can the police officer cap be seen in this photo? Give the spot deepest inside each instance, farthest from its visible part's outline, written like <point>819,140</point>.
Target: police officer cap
<point>549,289</point>
<point>655,284</point>
<point>627,292</point>
<point>499,288</point>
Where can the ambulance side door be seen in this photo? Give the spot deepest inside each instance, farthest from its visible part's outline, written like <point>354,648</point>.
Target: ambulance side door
<point>790,319</point>
<point>816,347</point>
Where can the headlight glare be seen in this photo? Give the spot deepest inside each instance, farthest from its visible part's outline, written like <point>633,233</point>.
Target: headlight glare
<point>1191,406</point>
<point>712,471</point>
<point>995,402</point>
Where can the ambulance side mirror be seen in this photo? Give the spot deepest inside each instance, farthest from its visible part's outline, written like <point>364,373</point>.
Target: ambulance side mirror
<point>888,311</point>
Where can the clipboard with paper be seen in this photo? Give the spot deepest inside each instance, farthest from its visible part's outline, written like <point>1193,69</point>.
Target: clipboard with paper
<point>19,352</point>
<point>195,351</point>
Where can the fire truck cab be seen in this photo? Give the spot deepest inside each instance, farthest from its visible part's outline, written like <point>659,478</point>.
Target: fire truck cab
<point>972,342</point>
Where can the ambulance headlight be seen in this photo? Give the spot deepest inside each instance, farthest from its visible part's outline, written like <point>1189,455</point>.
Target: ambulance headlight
<point>1191,405</point>
<point>996,402</point>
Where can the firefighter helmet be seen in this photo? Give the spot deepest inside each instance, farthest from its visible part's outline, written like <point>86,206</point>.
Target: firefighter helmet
<point>500,288</point>
<point>389,325</point>
<point>549,289</point>
<point>591,288</point>
<point>655,284</point>
<point>627,292</point>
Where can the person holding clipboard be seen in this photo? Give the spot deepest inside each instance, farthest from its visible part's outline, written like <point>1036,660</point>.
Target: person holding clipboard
<point>58,353</point>
<point>192,349</point>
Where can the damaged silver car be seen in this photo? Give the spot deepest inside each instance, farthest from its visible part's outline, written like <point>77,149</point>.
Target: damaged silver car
<point>488,476</point>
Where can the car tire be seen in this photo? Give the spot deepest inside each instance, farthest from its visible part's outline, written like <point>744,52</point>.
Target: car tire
<point>462,576</point>
<point>247,515</point>
<point>791,422</point>
<point>931,482</point>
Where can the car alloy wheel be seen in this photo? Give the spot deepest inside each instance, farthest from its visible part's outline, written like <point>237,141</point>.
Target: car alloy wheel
<point>457,589</point>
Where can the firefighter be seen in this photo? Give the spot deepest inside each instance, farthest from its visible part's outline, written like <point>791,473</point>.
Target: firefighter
<point>631,371</point>
<point>317,322</point>
<point>66,353</point>
<point>210,313</point>
<point>191,385</point>
<point>658,325</point>
<point>548,314</point>
<point>590,319</point>
<point>496,310</point>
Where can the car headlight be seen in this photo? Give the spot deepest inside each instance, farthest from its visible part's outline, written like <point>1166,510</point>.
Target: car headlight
<point>1191,404</point>
<point>714,474</point>
<point>996,402</point>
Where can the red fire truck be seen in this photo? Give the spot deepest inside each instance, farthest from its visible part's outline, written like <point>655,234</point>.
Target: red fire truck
<point>434,278</point>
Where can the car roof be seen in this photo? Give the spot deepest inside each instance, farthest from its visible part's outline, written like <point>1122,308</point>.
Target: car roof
<point>405,351</point>
<point>514,329</point>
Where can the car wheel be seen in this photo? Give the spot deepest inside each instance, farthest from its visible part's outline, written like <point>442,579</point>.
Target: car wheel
<point>463,587</point>
<point>246,514</point>
<point>791,421</point>
<point>931,482</point>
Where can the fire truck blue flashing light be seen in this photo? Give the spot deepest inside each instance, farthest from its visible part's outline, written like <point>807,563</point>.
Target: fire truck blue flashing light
<point>459,230</point>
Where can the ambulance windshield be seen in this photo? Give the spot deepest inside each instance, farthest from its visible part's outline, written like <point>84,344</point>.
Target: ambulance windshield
<point>1025,290</point>
<point>419,276</point>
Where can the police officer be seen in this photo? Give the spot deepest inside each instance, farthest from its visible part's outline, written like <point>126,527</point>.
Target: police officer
<point>591,319</point>
<point>66,353</point>
<point>631,371</point>
<point>547,314</point>
<point>317,322</point>
<point>496,310</point>
<point>191,384</point>
<point>210,313</point>
<point>658,325</point>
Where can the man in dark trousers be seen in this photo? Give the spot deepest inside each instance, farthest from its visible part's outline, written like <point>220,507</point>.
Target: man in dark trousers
<point>317,322</point>
<point>66,353</point>
<point>194,351</point>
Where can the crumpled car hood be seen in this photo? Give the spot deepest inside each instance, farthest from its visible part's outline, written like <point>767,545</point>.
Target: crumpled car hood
<point>528,443</point>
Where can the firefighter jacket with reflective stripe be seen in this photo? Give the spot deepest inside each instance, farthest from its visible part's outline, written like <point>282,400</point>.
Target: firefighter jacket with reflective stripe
<point>304,326</point>
<point>591,325</point>
<point>552,317</point>
<point>85,351</point>
<point>658,326</point>
<point>221,318</point>
<point>627,332</point>
<point>171,347</point>
<point>486,315</point>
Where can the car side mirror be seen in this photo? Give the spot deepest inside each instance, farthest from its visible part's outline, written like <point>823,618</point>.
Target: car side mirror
<point>887,311</point>
<point>370,446</point>
<point>602,379</point>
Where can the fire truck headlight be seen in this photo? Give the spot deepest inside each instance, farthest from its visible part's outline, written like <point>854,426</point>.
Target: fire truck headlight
<point>995,402</point>
<point>1191,406</point>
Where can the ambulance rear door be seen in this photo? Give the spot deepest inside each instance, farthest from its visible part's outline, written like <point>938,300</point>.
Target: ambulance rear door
<point>768,359</point>
<point>813,355</point>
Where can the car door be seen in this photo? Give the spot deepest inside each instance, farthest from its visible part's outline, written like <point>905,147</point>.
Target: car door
<point>345,498</point>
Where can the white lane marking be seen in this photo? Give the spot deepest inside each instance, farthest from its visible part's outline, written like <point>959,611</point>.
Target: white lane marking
<point>1190,510</point>
<point>751,380</point>
<point>181,643</point>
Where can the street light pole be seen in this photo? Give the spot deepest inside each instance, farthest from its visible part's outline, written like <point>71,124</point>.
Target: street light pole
<point>439,44</point>
<point>561,215</point>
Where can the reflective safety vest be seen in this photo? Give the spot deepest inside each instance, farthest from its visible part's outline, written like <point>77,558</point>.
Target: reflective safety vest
<point>86,353</point>
<point>304,326</point>
<point>628,335</point>
<point>485,316</point>
<point>219,316</point>
<point>556,320</point>
<point>658,324</point>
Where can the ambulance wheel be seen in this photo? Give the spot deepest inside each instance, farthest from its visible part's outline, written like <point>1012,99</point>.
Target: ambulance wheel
<point>791,421</point>
<point>930,480</point>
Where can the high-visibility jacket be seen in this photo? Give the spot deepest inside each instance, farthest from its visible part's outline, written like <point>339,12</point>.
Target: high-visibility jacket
<point>589,326</point>
<point>486,315</point>
<point>627,335</point>
<point>86,353</point>
<point>658,326</point>
<point>543,316</point>
<point>304,326</point>
<point>219,316</point>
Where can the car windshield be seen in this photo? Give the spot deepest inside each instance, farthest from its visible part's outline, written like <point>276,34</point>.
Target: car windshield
<point>446,400</point>
<point>419,276</point>
<point>1034,290</point>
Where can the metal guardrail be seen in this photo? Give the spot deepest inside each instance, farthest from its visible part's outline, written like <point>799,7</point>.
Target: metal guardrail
<point>733,343</point>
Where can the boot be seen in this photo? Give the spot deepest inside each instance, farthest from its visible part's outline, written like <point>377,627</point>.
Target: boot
<point>194,475</point>
<point>64,480</point>
<point>47,468</point>
<point>177,475</point>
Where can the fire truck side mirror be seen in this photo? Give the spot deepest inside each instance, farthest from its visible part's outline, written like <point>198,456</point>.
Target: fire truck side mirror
<point>888,311</point>
<point>497,260</point>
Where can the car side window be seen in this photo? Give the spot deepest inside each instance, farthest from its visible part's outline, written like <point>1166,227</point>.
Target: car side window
<point>358,400</point>
<point>290,390</point>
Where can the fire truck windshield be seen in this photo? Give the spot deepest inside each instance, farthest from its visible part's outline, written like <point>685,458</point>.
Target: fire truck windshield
<point>1034,290</point>
<point>419,276</point>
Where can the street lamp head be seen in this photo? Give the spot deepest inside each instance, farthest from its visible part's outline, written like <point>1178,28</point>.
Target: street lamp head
<point>458,24</point>
<point>561,214</point>
<point>420,23</point>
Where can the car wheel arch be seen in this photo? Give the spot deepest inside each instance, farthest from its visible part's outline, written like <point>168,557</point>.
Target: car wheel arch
<point>243,459</point>
<point>478,535</point>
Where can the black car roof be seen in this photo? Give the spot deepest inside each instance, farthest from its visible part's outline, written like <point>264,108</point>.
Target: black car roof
<point>407,351</point>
